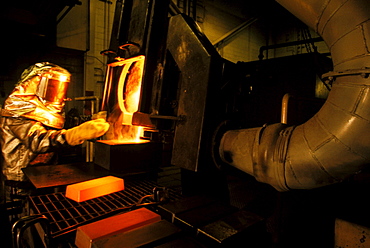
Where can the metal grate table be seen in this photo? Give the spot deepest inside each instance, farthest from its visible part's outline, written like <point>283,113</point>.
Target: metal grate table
<point>65,215</point>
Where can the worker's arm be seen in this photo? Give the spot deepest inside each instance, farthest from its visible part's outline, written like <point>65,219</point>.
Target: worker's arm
<point>34,135</point>
<point>39,139</point>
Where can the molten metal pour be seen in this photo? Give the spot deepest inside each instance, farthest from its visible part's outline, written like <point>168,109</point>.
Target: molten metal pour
<point>128,95</point>
<point>123,150</point>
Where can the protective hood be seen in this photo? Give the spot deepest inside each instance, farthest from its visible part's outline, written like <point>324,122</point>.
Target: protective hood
<point>40,94</point>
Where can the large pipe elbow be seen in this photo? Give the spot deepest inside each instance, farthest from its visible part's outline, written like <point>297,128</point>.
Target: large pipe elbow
<point>335,143</point>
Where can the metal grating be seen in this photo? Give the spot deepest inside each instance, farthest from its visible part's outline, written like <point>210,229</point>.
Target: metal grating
<point>65,215</point>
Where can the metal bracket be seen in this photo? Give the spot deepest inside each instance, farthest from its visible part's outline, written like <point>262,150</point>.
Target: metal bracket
<point>331,76</point>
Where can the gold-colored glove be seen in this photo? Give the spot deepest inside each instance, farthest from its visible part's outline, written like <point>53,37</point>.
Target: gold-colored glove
<point>87,130</point>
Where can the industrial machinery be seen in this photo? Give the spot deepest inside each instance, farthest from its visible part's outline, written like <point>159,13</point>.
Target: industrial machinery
<point>174,102</point>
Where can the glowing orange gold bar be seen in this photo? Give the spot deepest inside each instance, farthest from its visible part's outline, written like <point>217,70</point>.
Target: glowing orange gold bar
<point>94,188</point>
<point>89,234</point>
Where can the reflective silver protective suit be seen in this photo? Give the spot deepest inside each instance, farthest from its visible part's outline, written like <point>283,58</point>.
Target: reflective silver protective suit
<point>40,94</point>
<point>31,120</point>
<point>26,142</point>
<point>335,143</point>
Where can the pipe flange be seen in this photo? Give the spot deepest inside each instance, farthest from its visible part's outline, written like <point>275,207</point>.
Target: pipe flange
<point>217,135</point>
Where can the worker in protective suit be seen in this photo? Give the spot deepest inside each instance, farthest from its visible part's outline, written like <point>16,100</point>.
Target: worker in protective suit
<point>31,125</point>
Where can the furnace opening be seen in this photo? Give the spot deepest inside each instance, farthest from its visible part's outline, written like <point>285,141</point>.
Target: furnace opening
<point>128,102</point>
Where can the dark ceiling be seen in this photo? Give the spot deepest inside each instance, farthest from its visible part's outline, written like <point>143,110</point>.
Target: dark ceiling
<point>28,29</point>
<point>29,26</point>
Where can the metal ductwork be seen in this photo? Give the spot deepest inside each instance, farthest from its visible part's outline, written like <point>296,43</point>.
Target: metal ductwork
<point>335,143</point>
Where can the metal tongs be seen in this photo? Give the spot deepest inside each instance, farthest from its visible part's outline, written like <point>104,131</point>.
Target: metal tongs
<point>20,226</point>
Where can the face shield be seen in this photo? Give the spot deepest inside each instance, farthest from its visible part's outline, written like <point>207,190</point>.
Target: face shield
<point>40,94</point>
<point>53,86</point>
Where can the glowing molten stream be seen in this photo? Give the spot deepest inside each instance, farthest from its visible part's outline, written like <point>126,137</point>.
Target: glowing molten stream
<point>129,92</point>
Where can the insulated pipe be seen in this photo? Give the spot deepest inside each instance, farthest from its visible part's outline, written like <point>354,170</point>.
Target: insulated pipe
<point>335,143</point>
